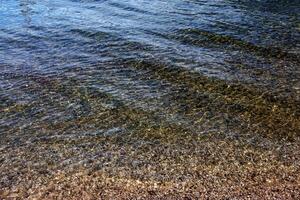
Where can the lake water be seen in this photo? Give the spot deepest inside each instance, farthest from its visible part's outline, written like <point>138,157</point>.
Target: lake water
<point>75,69</point>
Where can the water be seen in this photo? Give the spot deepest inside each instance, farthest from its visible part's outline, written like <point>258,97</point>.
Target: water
<point>76,69</point>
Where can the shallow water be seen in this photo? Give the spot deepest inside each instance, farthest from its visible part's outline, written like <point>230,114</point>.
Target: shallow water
<point>253,43</point>
<point>75,69</point>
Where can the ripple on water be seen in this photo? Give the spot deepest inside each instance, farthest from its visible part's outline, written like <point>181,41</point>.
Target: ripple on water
<point>149,92</point>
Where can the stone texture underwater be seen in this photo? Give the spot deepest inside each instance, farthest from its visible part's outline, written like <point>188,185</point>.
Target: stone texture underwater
<point>183,99</point>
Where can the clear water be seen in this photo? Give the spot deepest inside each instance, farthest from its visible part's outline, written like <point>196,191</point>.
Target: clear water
<point>76,73</point>
<point>90,46</point>
<point>93,46</point>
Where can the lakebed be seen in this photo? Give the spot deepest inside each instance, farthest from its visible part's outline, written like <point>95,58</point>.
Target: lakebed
<point>131,99</point>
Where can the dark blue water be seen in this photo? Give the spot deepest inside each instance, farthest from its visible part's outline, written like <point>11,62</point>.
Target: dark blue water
<point>51,36</point>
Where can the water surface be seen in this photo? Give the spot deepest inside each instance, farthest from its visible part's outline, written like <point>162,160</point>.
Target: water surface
<point>76,70</point>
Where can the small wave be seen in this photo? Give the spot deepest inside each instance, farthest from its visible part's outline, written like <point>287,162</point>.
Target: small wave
<point>206,38</point>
